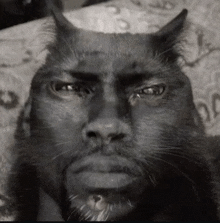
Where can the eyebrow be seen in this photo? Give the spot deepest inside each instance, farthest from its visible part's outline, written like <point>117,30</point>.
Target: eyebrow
<point>85,76</point>
<point>132,78</point>
<point>124,78</point>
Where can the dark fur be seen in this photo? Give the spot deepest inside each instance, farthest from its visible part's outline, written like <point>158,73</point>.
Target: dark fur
<point>148,154</point>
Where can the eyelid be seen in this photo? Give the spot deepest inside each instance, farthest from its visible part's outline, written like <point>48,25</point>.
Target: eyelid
<point>68,78</point>
<point>64,78</point>
<point>149,85</point>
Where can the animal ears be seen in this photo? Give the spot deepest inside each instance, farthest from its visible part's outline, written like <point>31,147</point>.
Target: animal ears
<point>165,41</point>
<point>174,28</point>
<point>63,26</point>
<point>169,36</point>
<point>169,32</point>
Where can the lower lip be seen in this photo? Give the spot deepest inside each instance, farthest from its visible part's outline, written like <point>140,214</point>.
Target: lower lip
<point>103,180</point>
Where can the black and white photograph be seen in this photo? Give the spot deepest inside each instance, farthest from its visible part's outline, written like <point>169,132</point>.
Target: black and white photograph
<point>110,110</point>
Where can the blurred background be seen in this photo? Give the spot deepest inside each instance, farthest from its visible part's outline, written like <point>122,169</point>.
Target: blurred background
<point>13,12</point>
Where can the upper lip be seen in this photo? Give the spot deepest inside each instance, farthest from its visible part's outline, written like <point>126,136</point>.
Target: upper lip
<point>98,163</point>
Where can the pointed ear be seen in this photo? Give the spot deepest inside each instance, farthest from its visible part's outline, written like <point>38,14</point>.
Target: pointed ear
<point>169,35</point>
<point>62,24</point>
<point>62,36</point>
<point>174,28</point>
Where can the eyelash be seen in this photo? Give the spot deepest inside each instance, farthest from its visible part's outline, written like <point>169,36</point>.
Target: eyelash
<point>154,90</point>
<point>68,88</point>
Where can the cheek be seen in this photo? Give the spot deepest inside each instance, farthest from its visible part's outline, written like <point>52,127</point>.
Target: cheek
<point>147,135</point>
<point>57,127</point>
<point>59,117</point>
<point>167,113</point>
<point>57,111</point>
<point>149,123</point>
<point>146,118</point>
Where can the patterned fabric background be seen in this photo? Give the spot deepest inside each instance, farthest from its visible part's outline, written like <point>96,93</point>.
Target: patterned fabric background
<point>21,53</point>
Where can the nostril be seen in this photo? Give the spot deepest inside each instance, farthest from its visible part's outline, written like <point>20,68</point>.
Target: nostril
<point>106,131</point>
<point>116,137</point>
<point>91,134</point>
<point>112,137</point>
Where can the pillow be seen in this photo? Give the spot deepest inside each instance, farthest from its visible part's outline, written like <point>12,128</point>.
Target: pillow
<point>22,52</point>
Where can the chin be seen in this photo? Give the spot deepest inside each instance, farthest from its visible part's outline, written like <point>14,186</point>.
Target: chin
<point>101,188</point>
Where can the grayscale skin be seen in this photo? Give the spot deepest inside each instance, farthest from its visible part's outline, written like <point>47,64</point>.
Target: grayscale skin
<point>110,132</point>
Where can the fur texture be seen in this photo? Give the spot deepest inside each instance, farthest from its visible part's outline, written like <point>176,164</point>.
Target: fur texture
<point>110,132</point>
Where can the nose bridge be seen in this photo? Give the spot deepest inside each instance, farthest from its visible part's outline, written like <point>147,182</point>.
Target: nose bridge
<point>107,121</point>
<point>109,110</point>
<point>107,125</point>
<point>110,100</point>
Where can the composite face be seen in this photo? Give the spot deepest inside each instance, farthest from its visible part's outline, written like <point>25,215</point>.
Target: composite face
<point>110,115</point>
